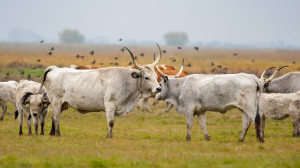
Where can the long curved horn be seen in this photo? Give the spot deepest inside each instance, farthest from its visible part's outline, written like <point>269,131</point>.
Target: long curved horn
<point>154,57</point>
<point>133,60</point>
<point>181,68</point>
<point>159,57</point>
<point>263,74</point>
<point>160,72</point>
<point>275,73</point>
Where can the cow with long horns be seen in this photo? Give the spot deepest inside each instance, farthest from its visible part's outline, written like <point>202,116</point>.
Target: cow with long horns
<point>195,94</point>
<point>115,90</point>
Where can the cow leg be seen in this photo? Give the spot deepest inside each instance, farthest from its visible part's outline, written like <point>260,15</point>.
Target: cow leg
<point>146,105</point>
<point>246,123</point>
<point>189,125</point>
<point>296,126</point>
<point>57,108</point>
<point>42,122</point>
<point>110,117</point>
<point>202,122</point>
<point>263,122</point>
<point>170,105</point>
<point>4,109</point>
<point>140,104</point>
<point>36,124</point>
<point>20,121</point>
<point>52,132</point>
<point>29,122</point>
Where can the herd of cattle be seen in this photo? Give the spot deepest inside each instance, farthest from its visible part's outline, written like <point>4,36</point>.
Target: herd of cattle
<point>118,90</point>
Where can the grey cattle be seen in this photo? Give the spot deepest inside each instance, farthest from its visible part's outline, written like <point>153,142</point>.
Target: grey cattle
<point>288,83</point>
<point>7,93</point>
<point>114,90</point>
<point>196,94</point>
<point>34,103</point>
<point>278,106</point>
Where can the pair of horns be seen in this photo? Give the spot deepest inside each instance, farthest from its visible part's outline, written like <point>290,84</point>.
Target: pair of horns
<point>273,75</point>
<point>176,76</point>
<point>140,67</point>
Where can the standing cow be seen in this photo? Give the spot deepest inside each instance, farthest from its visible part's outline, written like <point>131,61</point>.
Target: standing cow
<point>196,94</point>
<point>7,93</point>
<point>34,103</point>
<point>114,90</point>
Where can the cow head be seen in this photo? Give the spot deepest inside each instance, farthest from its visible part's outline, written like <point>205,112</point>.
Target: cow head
<point>266,81</point>
<point>164,83</point>
<point>37,103</point>
<point>146,75</point>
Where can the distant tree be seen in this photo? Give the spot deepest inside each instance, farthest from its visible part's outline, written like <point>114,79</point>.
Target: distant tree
<point>176,38</point>
<point>70,36</point>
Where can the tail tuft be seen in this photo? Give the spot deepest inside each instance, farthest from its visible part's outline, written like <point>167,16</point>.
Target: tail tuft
<point>16,114</point>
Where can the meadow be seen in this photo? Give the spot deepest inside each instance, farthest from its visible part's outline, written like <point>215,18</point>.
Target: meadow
<point>145,139</point>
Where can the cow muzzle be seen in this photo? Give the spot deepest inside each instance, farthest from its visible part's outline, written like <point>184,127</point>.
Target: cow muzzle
<point>156,90</point>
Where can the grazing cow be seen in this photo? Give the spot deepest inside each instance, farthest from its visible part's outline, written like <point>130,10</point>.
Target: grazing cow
<point>34,103</point>
<point>196,94</point>
<point>114,90</point>
<point>170,73</point>
<point>278,106</point>
<point>7,93</point>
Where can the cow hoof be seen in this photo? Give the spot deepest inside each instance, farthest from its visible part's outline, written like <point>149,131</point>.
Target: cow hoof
<point>51,133</point>
<point>1,119</point>
<point>109,136</point>
<point>20,134</point>
<point>29,133</point>
<point>42,133</point>
<point>261,140</point>
<point>188,138</point>
<point>240,140</point>
<point>206,137</point>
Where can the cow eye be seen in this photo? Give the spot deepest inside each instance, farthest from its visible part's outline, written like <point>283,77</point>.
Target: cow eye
<point>146,78</point>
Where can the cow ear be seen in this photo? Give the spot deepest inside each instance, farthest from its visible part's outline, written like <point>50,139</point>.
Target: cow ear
<point>135,75</point>
<point>166,79</point>
<point>25,97</point>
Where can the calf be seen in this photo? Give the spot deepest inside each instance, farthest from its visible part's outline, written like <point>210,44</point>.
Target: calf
<point>278,106</point>
<point>7,93</point>
<point>33,103</point>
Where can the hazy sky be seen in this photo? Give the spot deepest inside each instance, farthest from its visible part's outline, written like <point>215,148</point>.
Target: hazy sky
<point>234,21</point>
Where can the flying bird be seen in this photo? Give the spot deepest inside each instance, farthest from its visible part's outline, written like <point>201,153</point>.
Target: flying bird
<point>142,54</point>
<point>235,54</point>
<point>116,58</point>
<point>77,56</point>
<point>39,60</point>
<point>212,64</point>
<point>94,62</point>
<point>41,41</point>
<point>189,65</point>
<point>122,50</point>
<point>164,51</point>
<point>120,39</point>
<point>52,48</point>
<point>196,48</point>
<point>179,48</point>
<point>50,53</point>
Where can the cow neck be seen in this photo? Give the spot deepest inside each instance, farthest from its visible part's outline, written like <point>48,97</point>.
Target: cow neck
<point>175,87</point>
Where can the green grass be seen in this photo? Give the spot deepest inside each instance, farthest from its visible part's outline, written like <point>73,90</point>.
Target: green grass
<point>147,140</point>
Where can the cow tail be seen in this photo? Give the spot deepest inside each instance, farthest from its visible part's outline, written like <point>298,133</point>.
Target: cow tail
<point>50,68</point>
<point>257,117</point>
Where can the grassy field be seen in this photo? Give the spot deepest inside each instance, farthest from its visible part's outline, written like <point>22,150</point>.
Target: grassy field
<point>145,139</point>
<point>148,140</point>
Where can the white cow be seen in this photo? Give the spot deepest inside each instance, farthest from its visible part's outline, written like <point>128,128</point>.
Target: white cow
<point>7,93</point>
<point>35,105</point>
<point>278,106</point>
<point>114,90</point>
<point>198,93</point>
